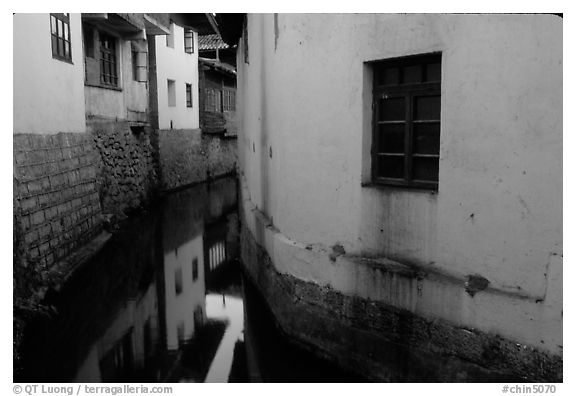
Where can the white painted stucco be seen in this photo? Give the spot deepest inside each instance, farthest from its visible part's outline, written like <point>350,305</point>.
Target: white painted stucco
<point>177,65</point>
<point>304,114</point>
<point>46,91</point>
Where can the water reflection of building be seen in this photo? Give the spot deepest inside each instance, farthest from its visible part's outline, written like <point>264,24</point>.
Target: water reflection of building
<point>184,291</point>
<point>137,312</point>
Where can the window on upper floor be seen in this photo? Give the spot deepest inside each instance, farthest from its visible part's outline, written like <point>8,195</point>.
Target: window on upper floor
<point>108,60</point>
<point>139,66</point>
<point>406,121</point>
<point>188,41</point>
<point>229,100</point>
<point>188,95</point>
<point>60,32</point>
<point>170,37</point>
<point>171,93</point>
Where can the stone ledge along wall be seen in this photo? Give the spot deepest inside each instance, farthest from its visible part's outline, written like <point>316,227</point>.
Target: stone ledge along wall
<point>126,168</point>
<point>56,205</point>
<point>187,156</point>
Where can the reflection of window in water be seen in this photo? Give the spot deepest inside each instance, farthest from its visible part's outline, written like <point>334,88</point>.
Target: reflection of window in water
<point>178,280</point>
<point>198,317</point>
<point>217,254</point>
<point>119,360</point>
<point>180,332</point>
<point>147,331</point>
<point>194,269</point>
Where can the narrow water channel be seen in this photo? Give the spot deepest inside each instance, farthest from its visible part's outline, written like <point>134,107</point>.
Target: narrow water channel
<point>166,301</point>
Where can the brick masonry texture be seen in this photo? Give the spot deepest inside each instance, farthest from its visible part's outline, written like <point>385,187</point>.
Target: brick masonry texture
<point>126,166</point>
<point>57,208</point>
<point>383,342</point>
<point>187,156</point>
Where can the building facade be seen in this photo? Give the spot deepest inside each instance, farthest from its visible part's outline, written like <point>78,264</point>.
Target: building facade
<point>117,107</point>
<point>186,155</point>
<point>56,200</point>
<point>217,97</point>
<point>177,78</point>
<point>401,186</point>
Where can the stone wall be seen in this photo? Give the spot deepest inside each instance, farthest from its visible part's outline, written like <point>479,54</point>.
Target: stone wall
<point>56,206</point>
<point>127,174</point>
<point>187,156</point>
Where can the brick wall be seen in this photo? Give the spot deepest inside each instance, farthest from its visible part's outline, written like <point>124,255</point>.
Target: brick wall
<point>187,156</point>
<point>56,201</point>
<point>126,165</point>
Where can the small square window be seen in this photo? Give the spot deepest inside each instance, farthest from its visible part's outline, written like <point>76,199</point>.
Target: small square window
<point>406,131</point>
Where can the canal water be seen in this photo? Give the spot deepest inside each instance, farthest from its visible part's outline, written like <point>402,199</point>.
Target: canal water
<point>166,301</point>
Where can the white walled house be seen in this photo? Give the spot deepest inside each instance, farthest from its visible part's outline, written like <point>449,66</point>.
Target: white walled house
<point>410,162</point>
<point>56,206</point>
<point>177,76</point>
<point>115,58</point>
<point>48,83</point>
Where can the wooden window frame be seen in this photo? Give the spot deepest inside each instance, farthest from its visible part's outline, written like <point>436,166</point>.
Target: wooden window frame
<point>188,37</point>
<point>58,37</point>
<point>408,91</point>
<point>108,60</point>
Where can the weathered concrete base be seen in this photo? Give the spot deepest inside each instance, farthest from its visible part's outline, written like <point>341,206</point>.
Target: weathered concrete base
<point>187,157</point>
<point>385,343</point>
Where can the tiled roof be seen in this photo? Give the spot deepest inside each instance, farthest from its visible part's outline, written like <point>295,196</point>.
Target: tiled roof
<point>218,65</point>
<point>211,42</point>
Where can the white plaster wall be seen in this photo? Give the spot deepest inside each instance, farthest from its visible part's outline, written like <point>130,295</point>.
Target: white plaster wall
<point>501,140</point>
<point>177,65</point>
<point>48,93</point>
<point>308,100</point>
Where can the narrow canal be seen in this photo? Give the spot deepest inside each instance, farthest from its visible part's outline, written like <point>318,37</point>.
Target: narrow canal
<point>166,301</point>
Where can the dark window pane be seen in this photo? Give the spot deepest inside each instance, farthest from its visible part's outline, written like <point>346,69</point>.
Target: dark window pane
<point>392,109</point>
<point>60,47</point>
<point>66,49</point>
<point>412,74</point>
<point>389,76</point>
<point>391,139</point>
<point>433,72</point>
<point>427,138</point>
<point>427,108</point>
<point>391,167</point>
<point>425,169</point>
<point>54,45</point>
